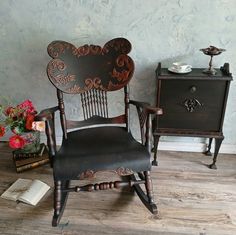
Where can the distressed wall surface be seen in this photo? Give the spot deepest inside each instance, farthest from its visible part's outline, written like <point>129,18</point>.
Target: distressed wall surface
<point>159,30</point>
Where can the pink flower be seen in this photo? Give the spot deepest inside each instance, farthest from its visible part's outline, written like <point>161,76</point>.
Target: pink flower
<point>2,131</point>
<point>38,126</point>
<point>16,142</point>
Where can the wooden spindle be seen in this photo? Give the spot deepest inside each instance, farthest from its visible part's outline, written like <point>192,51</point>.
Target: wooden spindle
<point>105,104</point>
<point>90,94</point>
<point>94,102</point>
<point>98,102</point>
<point>62,113</point>
<point>104,186</point>
<point>148,186</point>
<point>148,134</point>
<point>57,197</point>
<point>127,111</point>
<point>87,104</point>
<point>83,106</point>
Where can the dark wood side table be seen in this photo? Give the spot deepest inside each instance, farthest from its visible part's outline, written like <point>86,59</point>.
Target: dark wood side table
<point>193,105</point>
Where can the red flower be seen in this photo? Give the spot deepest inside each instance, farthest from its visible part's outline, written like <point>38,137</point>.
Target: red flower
<point>8,111</point>
<point>16,142</point>
<point>29,121</point>
<point>2,131</point>
<point>28,106</point>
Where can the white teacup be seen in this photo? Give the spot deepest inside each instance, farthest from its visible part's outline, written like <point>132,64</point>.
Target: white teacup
<point>181,66</point>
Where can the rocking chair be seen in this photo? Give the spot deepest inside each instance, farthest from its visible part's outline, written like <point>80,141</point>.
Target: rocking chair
<point>98,142</point>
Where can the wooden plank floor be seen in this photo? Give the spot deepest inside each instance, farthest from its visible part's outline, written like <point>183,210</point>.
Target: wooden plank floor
<point>192,199</point>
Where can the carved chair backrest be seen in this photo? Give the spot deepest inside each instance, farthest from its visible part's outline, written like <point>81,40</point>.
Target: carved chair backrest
<point>91,71</point>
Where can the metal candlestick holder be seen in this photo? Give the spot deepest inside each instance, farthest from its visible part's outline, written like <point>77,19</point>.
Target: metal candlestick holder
<point>211,51</point>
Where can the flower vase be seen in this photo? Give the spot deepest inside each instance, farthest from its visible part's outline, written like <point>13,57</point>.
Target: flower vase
<point>32,142</point>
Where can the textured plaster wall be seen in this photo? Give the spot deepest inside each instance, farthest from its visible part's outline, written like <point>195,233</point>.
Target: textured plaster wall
<point>159,30</point>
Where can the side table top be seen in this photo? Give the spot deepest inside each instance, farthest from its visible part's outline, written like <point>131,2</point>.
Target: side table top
<point>196,73</point>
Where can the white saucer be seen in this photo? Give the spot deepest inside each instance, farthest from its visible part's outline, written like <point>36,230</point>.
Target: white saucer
<point>174,70</point>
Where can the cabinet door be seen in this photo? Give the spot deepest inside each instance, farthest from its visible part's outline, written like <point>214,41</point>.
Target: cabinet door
<point>191,104</point>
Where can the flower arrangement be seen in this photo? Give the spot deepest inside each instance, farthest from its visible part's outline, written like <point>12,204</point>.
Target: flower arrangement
<point>19,120</point>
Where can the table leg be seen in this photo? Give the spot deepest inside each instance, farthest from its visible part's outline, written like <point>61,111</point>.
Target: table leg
<point>218,142</point>
<point>208,151</point>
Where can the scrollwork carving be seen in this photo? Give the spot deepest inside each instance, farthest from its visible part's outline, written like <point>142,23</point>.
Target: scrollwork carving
<point>89,84</point>
<point>124,62</point>
<point>120,45</point>
<point>108,68</point>
<point>89,50</point>
<point>191,104</point>
<point>94,83</point>
<point>75,89</point>
<point>87,174</point>
<point>57,72</point>
<point>56,48</point>
<point>121,171</point>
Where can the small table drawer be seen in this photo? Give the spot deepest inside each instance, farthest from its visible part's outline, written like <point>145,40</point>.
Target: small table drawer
<point>192,104</point>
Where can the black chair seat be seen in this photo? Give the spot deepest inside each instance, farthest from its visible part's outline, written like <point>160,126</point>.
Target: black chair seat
<point>97,149</point>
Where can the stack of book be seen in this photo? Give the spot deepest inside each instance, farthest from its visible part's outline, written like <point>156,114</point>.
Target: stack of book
<point>26,161</point>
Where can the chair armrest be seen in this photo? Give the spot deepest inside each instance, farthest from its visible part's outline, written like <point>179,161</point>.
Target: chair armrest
<point>150,109</point>
<point>144,114</point>
<point>46,114</point>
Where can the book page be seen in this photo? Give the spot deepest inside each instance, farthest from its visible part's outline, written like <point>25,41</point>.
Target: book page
<point>34,193</point>
<point>16,189</point>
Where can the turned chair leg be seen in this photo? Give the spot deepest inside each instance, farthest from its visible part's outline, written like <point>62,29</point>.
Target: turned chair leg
<point>60,199</point>
<point>156,141</point>
<point>146,198</point>
<point>148,186</point>
<point>57,198</point>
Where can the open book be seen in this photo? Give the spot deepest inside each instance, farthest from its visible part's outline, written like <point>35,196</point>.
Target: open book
<point>26,190</point>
